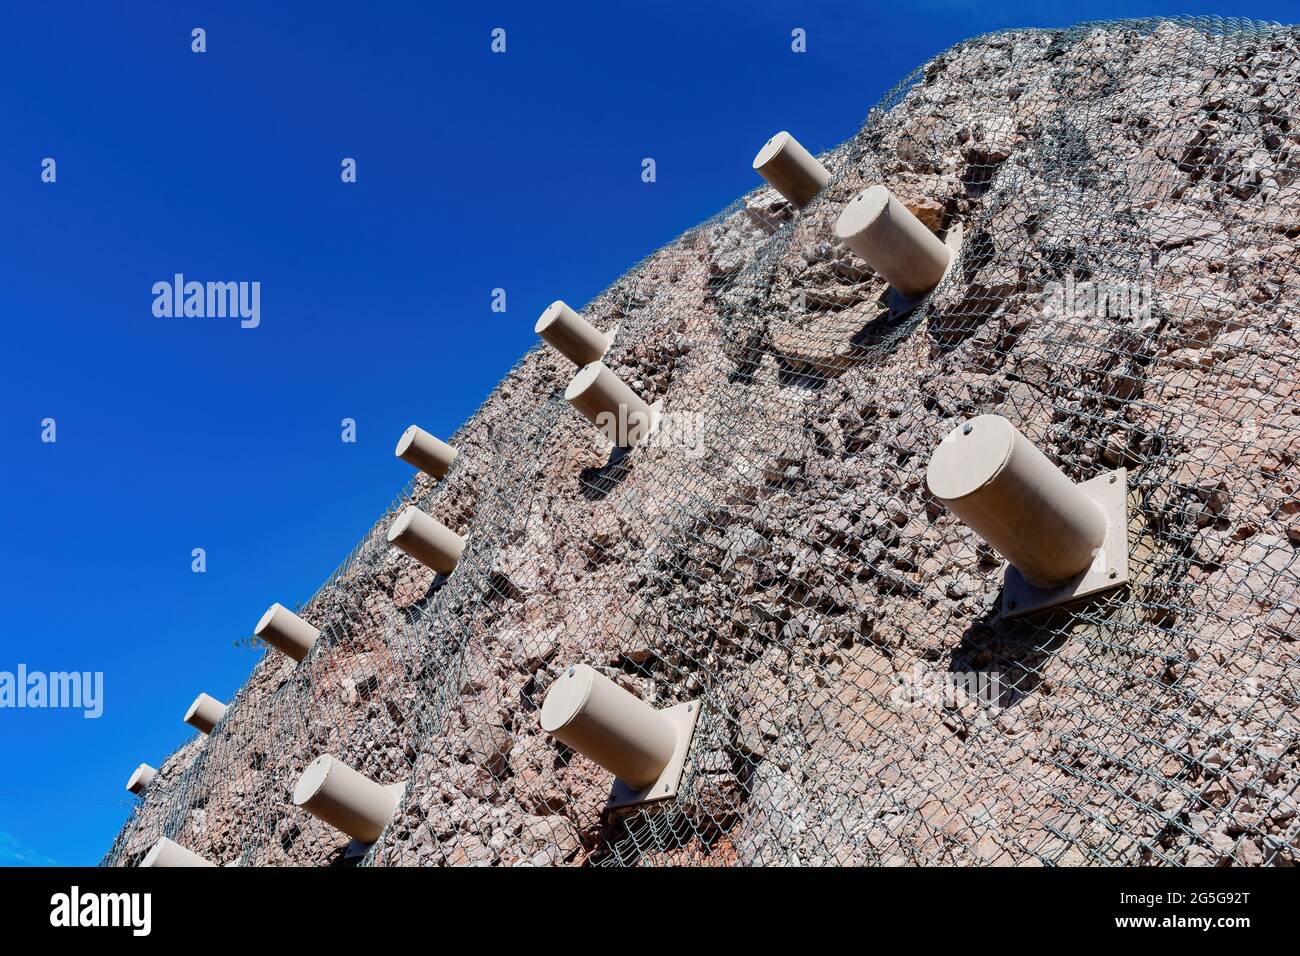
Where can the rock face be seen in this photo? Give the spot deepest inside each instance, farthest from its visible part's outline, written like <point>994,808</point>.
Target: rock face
<point>1129,197</point>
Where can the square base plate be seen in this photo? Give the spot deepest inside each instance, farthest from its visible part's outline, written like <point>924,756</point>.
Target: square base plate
<point>619,452</point>
<point>611,335</point>
<point>900,306</point>
<point>1109,570</point>
<point>685,717</point>
<point>439,579</point>
<point>356,848</point>
<point>656,416</point>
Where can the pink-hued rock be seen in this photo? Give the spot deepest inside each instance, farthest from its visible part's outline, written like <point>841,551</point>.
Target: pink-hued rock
<point>777,556</point>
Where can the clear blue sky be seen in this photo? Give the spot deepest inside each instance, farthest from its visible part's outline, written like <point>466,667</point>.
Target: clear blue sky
<point>475,171</point>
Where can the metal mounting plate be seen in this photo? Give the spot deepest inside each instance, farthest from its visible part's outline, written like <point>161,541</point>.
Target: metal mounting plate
<point>656,417</point>
<point>611,335</point>
<point>1110,570</point>
<point>685,716</point>
<point>356,848</point>
<point>899,305</point>
<point>618,452</point>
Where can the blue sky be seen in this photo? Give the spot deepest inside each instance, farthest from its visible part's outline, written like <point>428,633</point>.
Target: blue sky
<point>475,171</point>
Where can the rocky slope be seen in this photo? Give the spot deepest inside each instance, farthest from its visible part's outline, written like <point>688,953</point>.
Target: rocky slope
<point>778,557</point>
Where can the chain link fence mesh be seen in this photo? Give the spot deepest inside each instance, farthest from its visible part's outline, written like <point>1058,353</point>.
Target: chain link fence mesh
<point>1128,197</point>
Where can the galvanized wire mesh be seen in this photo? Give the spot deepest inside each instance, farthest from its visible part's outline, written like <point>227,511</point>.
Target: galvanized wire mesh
<point>1128,196</point>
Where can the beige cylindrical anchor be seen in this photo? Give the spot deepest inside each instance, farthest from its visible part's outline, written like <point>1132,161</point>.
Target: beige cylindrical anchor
<point>790,169</point>
<point>332,791</point>
<point>571,335</point>
<point>433,456</point>
<point>608,403</point>
<point>286,632</point>
<point>204,713</point>
<point>141,778</point>
<point>621,732</point>
<point>427,540</point>
<point>167,853</point>
<point>894,242</point>
<point>1000,484</point>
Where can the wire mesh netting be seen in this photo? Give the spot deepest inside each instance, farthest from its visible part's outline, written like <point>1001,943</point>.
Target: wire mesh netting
<point>1127,197</point>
